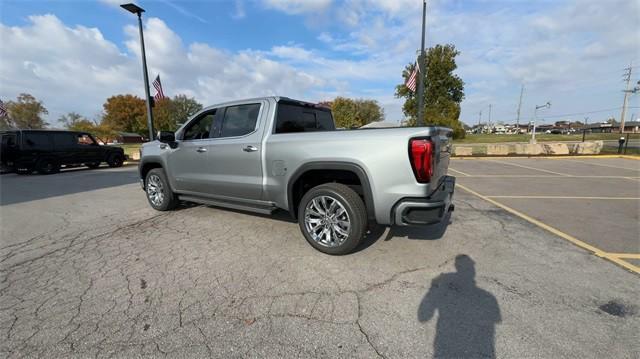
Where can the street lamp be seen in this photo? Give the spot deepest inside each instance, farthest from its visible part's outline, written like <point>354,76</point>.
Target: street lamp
<point>137,10</point>
<point>535,120</point>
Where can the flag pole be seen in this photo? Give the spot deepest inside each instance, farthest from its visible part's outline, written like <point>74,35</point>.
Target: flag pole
<point>421,64</point>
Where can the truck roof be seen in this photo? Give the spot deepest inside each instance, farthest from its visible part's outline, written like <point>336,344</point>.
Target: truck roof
<point>275,98</point>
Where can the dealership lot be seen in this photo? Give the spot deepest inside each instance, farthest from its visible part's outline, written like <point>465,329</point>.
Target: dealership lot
<point>87,269</point>
<point>592,202</point>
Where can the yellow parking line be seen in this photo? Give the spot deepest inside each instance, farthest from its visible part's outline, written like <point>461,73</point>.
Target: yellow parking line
<point>597,251</point>
<point>532,168</point>
<point>625,255</point>
<point>460,172</point>
<point>565,197</point>
<point>549,176</point>
<point>601,165</point>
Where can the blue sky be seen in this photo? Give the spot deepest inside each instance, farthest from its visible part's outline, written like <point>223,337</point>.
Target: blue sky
<point>74,54</point>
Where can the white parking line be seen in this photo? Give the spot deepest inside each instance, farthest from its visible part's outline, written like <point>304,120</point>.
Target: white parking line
<point>601,165</point>
<point>531,168</point>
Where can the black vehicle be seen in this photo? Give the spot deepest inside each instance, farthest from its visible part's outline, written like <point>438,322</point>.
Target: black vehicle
<point>45,151</point>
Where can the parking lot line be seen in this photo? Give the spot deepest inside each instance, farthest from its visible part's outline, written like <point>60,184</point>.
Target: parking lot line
<point>544,176</point>
<point>601,165</point>
<point>566,197</point>
<point>625,255</point>
<point>597,251</point>
<point>460,172</point>
<point>531,168</point>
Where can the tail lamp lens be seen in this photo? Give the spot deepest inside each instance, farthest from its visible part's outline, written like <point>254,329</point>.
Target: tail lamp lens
<point>421,153</point>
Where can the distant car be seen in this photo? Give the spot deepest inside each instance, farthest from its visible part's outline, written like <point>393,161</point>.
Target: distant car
<point>45,151</point>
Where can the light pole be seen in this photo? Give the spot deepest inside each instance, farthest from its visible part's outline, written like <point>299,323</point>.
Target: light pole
<point>135,9</point>
<point>535,120</point>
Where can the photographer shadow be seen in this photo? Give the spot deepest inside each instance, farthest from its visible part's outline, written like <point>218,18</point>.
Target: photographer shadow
<point>467,314</point>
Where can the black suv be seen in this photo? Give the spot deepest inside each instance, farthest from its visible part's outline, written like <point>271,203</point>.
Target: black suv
<point>46,151</point>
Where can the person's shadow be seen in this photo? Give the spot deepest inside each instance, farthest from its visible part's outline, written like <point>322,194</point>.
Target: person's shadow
<point>467,315</point>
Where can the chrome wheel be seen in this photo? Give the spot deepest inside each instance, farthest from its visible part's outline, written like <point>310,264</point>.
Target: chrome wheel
<point>327,221</point>
<point>155,190</point>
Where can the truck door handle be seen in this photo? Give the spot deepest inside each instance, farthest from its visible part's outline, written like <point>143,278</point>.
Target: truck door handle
<point>201,149</point>
<point>250,149</point>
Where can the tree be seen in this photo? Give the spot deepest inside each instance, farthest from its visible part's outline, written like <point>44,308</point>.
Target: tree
<point>125,113</point>
<point>163,115</point>
<point>26,112</point>
<point>443,92</point>
<point>354,113</point>
<point>76,122</point>
<point>184,107</point>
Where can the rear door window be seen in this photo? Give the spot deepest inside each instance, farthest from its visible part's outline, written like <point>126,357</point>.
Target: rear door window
<point>239,120</point>
<point>297,118</point>
<point>64,140</point>
<point>38,141</point>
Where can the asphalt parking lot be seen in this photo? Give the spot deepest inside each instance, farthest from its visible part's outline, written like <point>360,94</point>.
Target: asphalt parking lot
<point>89,270</point>
<point>591,202</point>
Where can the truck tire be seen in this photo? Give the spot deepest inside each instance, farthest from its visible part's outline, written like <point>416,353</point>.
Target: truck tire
<point>159,193</point>
<point>115,160</point>
<point>47,166</point>
<point>332,218</point>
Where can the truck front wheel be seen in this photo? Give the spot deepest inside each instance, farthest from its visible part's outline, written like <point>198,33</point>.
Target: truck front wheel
<point>333,218</point>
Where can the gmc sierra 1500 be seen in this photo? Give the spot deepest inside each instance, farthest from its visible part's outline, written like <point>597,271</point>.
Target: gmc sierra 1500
<point>274,152</point>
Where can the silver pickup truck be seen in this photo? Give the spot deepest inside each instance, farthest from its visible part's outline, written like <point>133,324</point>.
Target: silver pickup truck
<point>272,153</point>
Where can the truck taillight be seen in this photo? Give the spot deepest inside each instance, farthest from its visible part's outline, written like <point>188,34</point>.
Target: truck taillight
<point>421,156</point>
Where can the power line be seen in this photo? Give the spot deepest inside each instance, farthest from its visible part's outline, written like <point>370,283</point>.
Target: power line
<point>588,112</point>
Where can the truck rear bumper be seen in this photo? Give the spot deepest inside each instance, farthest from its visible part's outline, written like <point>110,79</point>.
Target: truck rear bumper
<point>423,211</point>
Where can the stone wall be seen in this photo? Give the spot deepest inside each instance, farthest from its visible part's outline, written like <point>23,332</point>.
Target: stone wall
<point>528,149</point>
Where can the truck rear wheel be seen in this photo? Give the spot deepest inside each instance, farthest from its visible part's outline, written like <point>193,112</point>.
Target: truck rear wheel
<point>47,166</point>
<point>332,218</point>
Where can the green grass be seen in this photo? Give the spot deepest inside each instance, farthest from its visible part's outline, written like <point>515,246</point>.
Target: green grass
<point>541,137</point>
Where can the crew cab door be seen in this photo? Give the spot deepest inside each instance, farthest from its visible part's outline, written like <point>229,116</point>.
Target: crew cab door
<point>236,152</point>
<point>189,163</point>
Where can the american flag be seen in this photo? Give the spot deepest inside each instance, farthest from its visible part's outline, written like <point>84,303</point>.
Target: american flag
<point>3,109</point>
<point>158,85</point>
<point>412,81</point>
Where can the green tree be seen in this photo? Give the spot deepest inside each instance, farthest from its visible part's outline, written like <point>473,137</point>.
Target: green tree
<point>443,92</point>
<point>125,113</point>
<point>184,107</point>
<point>26,112</point>
<point>76,122</point>
<point>353,113</point>
<point>163,115</point>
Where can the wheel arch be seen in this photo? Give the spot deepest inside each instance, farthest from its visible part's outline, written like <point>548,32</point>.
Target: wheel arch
<point>293,186</point>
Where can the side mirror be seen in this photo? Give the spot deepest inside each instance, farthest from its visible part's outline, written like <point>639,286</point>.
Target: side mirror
<point>166,137</point>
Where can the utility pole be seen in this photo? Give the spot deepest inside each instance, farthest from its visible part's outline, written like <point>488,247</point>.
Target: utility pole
<point>421,65</point>
<point>627,91</point>
<point>519,106</point>
<point>489,114</point>
<point>479,120</point>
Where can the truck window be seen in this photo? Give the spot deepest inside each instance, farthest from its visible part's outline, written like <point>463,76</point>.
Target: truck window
<point>8,141</point>
<point>63,140</point>
<point>85,140</point>
<point>37,141</point>
<point>239,120</point>
<point>202,127</point>
<point>296,118</point>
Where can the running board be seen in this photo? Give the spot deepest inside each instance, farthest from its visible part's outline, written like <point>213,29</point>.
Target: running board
<point>231,205</point>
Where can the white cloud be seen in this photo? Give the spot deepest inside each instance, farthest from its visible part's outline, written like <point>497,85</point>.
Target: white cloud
<point>239,12</point>
<point>293,7</point>
<point>76,69</point>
